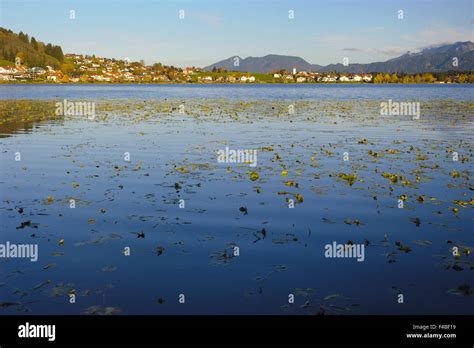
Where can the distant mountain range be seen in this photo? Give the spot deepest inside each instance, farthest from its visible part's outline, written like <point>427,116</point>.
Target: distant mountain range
<point>265,64</point>
<point>436,59</point>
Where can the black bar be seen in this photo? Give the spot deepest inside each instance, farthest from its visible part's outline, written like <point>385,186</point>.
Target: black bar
<point>242,330</point>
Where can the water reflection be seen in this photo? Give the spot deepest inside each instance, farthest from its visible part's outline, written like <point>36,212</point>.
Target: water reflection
<point>23,116</point>
<point>134,202</point>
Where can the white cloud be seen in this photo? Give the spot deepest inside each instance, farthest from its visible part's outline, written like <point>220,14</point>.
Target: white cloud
<point>437,35</point>
<point>386,50</point>
<point>352,49</point>
<point>432,36</point>
<point>391,50</point>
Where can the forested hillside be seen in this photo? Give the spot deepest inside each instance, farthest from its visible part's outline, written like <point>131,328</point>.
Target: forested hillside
<point>30,51</point>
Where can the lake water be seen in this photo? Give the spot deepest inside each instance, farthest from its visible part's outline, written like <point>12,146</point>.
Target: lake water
<point>258,92</point>
<point>236,247</point>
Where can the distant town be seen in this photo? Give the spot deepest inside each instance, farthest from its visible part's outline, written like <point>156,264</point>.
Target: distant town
<point>77,68</point>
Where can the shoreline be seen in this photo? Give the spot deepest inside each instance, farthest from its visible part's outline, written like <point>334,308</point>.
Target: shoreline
<point>224,83</point>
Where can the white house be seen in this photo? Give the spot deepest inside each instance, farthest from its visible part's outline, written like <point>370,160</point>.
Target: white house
<point>329,78</point>
<point>188,71</point>
<point>251,79</point>
<point>357,78</point>
<point>162,78</point>
<point>6,73</point>
<point>7,70</point>
<point>300,79</point>
<point>6,77</point>
<point>344,78</point>
<point>276,76</point>
<point>243,79</point>
<point>128,76</point>
<point>37,70</point>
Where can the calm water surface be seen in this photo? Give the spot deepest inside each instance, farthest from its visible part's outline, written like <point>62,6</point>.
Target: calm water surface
<point>189,251</point>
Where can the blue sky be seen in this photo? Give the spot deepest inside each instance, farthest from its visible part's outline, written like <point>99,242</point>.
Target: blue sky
<point>321,32</point>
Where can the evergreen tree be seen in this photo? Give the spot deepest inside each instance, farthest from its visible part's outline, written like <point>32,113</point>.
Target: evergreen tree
<point>34,43</point>
<point>23,37</point>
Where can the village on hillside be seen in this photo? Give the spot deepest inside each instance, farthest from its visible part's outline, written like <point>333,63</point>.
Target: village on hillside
<point>78,68</point>
<point>90,69</point>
